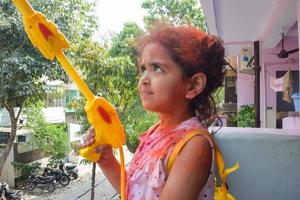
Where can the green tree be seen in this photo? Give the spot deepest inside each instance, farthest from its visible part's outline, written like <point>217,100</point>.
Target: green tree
<point>22,68</point>
<point>175,11</point>
<point>52,139</point>
<point>123,43</point>
<point>75,18</point>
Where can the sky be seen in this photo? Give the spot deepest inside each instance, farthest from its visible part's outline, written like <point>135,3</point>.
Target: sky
<point>113,13</point>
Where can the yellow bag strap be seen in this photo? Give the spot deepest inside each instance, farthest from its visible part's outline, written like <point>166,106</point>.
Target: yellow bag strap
<point>218,155</point>
<point>180,145</point>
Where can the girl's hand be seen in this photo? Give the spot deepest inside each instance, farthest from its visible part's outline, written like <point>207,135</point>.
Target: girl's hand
<point>105,149</point>
<point>88,138</point>
<point>107,162</point>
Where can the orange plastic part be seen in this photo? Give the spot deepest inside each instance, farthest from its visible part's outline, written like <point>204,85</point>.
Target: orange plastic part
<point>106,123</point>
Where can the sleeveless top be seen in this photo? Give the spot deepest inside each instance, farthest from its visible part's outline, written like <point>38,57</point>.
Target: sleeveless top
<point>147,174</point>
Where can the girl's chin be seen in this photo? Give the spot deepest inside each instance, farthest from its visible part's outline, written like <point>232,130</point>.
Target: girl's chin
<point>151,108</point>
<point>147,107</point>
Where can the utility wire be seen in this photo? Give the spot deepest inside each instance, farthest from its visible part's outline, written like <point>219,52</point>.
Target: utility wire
<point>94,187</point>
<point>90,189</point>
<point>114,196</point>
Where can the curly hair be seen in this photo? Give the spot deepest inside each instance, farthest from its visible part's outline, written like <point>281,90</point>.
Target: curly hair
<point>194,51</point>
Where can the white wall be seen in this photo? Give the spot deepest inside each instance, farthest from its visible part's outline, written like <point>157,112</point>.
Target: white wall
<point>54,114</point>
<point>73,129</point>
<point>4,117</point>
<point>8,173</point>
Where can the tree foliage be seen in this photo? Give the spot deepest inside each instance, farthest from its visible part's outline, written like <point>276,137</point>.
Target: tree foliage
<point>52,139</point>
<point>27,168</point>
<point>246,116</point>
<point>175,11</point>
<point>123,43</point>
<point>22,66</point>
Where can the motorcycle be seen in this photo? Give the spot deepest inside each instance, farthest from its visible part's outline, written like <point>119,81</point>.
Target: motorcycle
<point>60,176</point>
<point>41,182</point>
<point>8,195</point>
<point>69,169</point>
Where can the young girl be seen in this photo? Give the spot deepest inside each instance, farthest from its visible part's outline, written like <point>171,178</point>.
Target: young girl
<point>180,68</point>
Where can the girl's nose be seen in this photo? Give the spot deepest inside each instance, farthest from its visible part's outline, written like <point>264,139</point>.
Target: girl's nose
<point>145,79</point>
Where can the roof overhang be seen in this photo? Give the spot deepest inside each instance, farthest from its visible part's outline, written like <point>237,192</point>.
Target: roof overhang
<point>241,22</point>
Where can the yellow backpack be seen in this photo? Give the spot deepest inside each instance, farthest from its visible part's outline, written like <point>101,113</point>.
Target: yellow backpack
<point>221,192</point>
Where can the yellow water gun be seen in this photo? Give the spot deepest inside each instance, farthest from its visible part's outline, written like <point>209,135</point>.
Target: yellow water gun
<point>45,35</point>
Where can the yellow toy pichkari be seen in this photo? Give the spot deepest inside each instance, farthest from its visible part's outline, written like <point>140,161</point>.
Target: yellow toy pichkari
<point>45,35</point>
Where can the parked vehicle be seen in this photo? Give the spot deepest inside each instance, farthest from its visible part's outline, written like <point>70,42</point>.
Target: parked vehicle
<point>20,182</point>
<point>9,195</point>
<point>43,182</point>
<point>70,169</point>
<point>60,176</point>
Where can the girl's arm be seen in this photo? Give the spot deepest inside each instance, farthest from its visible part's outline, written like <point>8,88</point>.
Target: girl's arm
<point>190,170</point>
<point>107,162</point>
<point>110,166</point>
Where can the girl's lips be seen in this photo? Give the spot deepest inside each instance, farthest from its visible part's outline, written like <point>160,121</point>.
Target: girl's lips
<point>146,93</point>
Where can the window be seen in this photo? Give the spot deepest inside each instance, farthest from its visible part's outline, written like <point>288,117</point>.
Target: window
<point>3,137</point>
<point>21,138</point>
<point>230,90</point>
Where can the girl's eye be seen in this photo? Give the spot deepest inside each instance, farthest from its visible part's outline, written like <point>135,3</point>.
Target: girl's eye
<point>142,69</point>
<point>157,68</point>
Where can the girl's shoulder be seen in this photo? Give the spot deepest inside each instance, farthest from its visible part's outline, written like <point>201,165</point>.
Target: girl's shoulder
<point>196,156</point>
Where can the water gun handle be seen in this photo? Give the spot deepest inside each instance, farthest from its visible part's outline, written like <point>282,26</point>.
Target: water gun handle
<point>24,7</point>
<point>64,61</point>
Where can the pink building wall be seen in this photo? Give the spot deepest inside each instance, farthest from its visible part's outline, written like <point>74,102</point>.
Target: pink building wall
<point>270,63</point>
<point>245,89</point>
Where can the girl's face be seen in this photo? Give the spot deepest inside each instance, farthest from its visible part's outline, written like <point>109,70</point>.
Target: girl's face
<point>161,86</point>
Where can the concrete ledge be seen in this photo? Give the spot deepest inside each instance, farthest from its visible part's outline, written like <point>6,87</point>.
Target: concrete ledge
<point>269,162</point>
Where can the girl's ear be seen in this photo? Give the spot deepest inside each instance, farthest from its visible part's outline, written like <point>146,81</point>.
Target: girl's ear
<point>197,85</point>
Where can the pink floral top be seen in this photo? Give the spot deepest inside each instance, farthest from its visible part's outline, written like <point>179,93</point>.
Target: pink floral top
<point>147,173</point>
